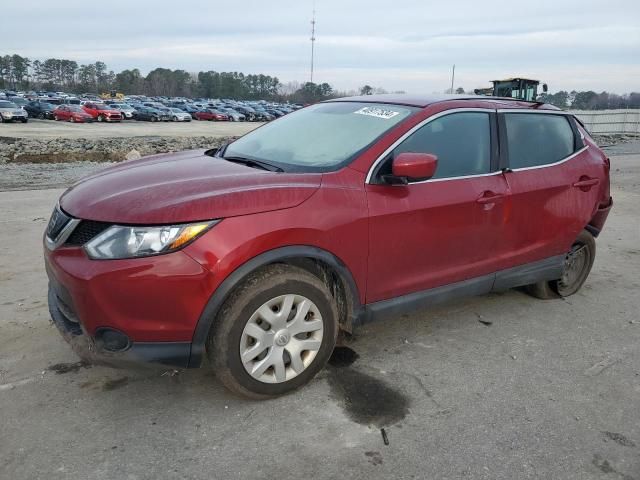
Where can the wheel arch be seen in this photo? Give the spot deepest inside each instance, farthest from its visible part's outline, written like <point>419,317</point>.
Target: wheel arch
<point>322,263</point>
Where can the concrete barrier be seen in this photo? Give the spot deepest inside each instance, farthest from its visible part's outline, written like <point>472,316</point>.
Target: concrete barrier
<point>610,121</point>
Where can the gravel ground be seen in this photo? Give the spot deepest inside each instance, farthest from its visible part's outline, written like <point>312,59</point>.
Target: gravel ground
<point>127,129</point>
<point>502,386</point>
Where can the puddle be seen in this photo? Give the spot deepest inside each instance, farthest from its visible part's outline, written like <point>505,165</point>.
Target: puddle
<point>367,400</point>
<point>343,357</point>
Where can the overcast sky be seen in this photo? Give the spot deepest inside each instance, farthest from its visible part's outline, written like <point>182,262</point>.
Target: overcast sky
<point>395,44</point>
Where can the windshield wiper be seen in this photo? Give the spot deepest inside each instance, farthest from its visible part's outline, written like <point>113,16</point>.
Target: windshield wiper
<point>254,163</point>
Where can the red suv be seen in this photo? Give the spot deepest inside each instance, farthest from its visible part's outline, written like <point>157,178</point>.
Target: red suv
<point>102,112</point>
<point>338,214</point>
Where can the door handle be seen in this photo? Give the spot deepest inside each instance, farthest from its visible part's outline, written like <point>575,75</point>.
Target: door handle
<point>489,197</point>
<point>585,184</point>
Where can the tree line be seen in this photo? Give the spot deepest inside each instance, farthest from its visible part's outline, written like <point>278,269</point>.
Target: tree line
<point>591,100</point>
<point>53,74</point>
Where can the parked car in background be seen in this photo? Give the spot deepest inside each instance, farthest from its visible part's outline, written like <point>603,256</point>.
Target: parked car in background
<point>102,112</point>
<point>72,113</point>
<point>167,114</point>
<point>40,109</point>
<point>10,112</point>
<point>20,102</point>
<point>178,115</point>
<point>211,114</point>
<point>233,115</point>
<point>263,116</point>
<point>127,111</point>
<point>148,114</point>
<point>248,112</point>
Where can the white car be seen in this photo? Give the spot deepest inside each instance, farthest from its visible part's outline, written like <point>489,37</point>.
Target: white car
<point>127,111</point>
<point>10,112</point>
<point>178,115</point>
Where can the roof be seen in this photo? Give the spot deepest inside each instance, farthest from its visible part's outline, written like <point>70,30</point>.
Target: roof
<point>515,79</point>
<point>413,100</point>
<point>416,100</point>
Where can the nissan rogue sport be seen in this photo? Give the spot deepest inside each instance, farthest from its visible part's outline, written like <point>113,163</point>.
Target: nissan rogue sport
<point>341,213</point>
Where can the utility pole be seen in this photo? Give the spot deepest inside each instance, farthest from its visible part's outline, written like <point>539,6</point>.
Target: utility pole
<point>313,36</point>
<point>453,76</point>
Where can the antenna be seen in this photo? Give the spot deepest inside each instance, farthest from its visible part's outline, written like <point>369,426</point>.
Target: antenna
<point>453,76</point>
<point>313,36</point>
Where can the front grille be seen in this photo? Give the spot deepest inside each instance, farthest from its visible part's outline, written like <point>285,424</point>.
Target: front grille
<point>85,231</point>
<point>56,224</point>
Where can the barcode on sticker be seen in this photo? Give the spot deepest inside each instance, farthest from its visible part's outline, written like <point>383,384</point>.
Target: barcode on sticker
<point>377,112</point>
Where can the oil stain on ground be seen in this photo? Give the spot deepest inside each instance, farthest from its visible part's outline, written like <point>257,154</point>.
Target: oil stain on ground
<point>60,368</point>
<point>115,384</point>
<point>367,400</point>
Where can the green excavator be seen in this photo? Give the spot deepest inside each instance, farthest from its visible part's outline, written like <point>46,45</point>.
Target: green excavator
<point>520,88</point>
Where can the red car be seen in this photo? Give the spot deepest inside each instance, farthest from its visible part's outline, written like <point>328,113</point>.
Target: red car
<point>102,112</point>
<point>210,115</point>
<point>332,216</point>
<point>71,113</point>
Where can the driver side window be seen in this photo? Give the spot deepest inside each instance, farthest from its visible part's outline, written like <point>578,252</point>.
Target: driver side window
<point>461,141</point>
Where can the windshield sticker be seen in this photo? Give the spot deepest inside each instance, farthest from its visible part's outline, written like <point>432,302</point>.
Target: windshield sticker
<point>377,112</point>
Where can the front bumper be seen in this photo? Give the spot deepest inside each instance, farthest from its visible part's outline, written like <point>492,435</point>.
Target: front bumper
<point>176,354</point>
<point>154,302</point>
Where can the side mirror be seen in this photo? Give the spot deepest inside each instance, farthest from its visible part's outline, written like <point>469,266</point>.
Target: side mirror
<point>410,166</point>
<point>545,88</point>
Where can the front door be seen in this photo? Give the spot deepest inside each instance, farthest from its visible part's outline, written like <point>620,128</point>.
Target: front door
<point>443,230</point>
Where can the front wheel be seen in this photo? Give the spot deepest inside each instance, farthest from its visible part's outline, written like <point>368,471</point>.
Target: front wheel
<point>101,118</point>
<point>577,265</point>
<point>274,333</point>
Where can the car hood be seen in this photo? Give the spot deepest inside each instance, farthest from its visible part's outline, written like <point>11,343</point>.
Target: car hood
<point>183,187</point>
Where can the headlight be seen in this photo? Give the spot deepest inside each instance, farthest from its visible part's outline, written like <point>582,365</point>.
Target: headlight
<point>118,242</point>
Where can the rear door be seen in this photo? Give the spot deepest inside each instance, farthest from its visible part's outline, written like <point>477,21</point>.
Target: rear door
<point>553,184</point>
<point>443,230</point>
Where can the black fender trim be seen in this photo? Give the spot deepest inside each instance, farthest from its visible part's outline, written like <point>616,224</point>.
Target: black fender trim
<point>272,256</point>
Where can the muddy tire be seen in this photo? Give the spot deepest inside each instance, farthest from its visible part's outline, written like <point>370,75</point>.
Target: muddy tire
<point>274,333</point>
<point>577,265</point>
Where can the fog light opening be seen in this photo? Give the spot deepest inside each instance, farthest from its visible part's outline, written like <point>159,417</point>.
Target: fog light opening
<point>112,340</point>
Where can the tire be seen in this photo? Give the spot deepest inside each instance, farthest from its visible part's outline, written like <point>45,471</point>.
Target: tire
<point>55,117</point>
<point>174,119</point>
<point>577,265</point>
<point>154,119</point>
<point>72,120</point>
<point>100,118</point>
<point>41,116</point>
<point>270,287</point>
<point>24,120</point>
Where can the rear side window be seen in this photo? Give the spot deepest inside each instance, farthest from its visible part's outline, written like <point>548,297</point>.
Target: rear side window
<point>461,141</point>
<point>535,140</point>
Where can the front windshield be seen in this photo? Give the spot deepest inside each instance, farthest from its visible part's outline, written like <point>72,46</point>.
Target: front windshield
<point>319,137</point>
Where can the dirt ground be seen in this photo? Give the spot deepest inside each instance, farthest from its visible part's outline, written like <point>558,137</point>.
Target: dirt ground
<point>502,386</point>
<point>129,128</point>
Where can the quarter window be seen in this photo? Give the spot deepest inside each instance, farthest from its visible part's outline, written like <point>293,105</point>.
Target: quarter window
<point>461,141</point>
<point>537,139</point>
